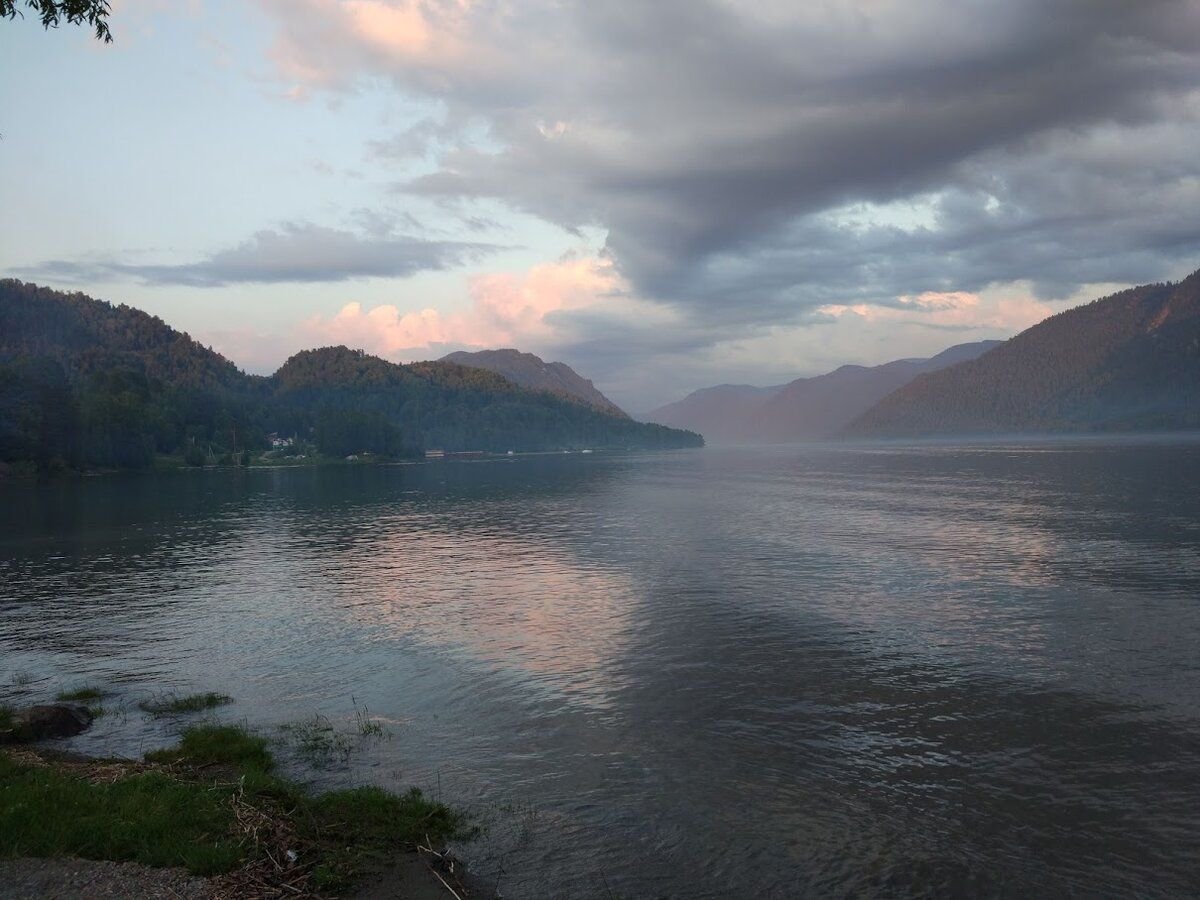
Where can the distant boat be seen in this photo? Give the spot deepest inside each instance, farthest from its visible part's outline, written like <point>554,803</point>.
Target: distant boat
<point>585,451</point>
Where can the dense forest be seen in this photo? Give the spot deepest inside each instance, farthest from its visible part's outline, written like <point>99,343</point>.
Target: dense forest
<point>453,407</point>
<point>86,383</point>
<point>1126,362</point>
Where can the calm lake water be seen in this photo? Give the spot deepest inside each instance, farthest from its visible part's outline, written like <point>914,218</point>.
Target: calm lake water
<point>784,672</point>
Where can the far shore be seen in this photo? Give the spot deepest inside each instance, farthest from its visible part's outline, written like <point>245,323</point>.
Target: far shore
<point>28,471</point>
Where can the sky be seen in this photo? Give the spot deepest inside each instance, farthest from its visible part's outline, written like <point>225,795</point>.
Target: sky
<point>664,195</point>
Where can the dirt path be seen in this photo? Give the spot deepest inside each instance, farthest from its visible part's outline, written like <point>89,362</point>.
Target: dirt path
<point>41,879</point>
<point>409,877</point>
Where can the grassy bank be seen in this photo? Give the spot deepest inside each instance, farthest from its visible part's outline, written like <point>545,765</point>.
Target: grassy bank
<point>213,805</point>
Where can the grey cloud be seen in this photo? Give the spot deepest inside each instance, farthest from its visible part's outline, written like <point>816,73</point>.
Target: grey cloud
<point>699,133</point>
<point>419,140</point>
<point>1054,140</point>
<point>294,252</point>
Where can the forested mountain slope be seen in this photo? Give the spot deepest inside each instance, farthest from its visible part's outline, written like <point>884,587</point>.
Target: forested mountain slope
<point>1130,361</point>
<point>85,336</point>
<point>818,408</point>
<point>452,407</point>
<point>532,372</point>
<point>813,408</point>
<point>84,382</point>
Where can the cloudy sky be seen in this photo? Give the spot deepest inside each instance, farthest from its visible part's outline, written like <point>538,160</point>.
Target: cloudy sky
<point>665,195</point>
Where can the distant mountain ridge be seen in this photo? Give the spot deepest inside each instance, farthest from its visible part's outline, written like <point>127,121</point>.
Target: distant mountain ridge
<point>721,413</point>
<point>1130,361</point>
<point>819,408</point>
<point>532,372</point>
<point>815,408</point>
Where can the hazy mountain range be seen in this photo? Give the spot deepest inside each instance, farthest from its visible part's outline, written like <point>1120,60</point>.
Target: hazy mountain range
<point>83,382</point>
<point>532,372</point>
<point>1126,362</point>
<point>806,409</point>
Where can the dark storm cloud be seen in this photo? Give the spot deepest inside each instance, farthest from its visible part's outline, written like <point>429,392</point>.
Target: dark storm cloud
<point>720,145</point>
<point>691,131</point>
<point>295,252</point>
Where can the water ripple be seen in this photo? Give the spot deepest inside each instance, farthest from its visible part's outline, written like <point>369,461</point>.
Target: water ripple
<point>792,672</point>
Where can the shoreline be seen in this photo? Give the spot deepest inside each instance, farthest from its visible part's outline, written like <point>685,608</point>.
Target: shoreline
<point>210,818</point>
<point>27,472</point>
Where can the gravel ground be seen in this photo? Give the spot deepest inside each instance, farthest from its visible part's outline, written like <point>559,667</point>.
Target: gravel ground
<point>41,879</point>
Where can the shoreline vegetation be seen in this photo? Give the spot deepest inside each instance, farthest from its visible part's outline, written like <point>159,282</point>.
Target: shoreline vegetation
<point>27,470</point>
<point>213,805</point>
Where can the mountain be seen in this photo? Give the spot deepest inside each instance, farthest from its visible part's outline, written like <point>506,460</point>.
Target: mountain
<point>723,413</point>
<point>532,372</point>
<point>452,407</point>
<point>1130,361</point>
<point>818,408</point>
<point>84,382</point>
<point>814,408</point>
<point>86,335</point>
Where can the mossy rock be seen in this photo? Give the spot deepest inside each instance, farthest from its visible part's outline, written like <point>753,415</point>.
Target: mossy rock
<point>39,723</point>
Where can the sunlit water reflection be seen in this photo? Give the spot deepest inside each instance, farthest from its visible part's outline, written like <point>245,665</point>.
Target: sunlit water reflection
<point>774,672</point>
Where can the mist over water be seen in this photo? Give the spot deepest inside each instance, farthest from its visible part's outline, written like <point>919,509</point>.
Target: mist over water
<point>769,672</point>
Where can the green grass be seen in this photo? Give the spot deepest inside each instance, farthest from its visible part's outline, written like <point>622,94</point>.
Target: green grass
<point>372,818</point>
<point>218,745</point>
<point>81,694</point>
<point>362,825</point>
<point>318,742</point>
<point>168,704</point>
<point>367,726</point>
<point>185,816</point>
<point>151,819</point>
<point>323,745</point>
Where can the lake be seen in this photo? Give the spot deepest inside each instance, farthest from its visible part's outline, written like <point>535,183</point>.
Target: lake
<point>749,672</point>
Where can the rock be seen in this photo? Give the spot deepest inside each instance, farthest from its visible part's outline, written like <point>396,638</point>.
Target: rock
<point>55,720</point>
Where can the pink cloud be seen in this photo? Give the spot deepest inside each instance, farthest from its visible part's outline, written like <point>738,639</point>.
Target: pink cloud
<point>327,43</point>
<point>1007,312</point>
<point>940,301</point>
<point>506,309</point>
